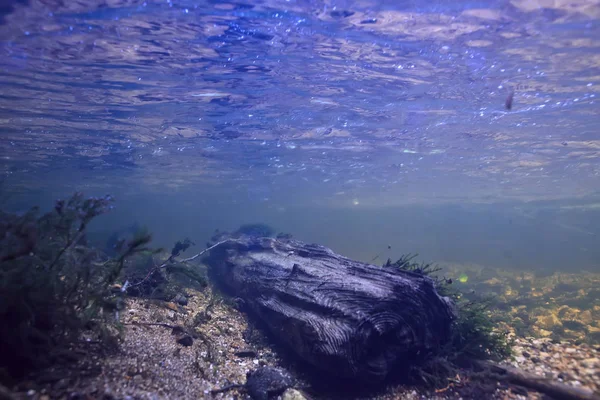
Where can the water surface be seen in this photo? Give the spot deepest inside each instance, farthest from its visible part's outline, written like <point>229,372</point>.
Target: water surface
<point>358,125</point>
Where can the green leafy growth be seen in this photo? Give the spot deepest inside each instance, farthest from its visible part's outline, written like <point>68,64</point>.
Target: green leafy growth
<point>474,336</point>
<point>405,263</point>
<point>53,285</point>
<point>150,277</point>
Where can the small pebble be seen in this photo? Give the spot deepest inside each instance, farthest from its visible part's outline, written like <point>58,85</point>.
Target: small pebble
<point>186,340</point>
<point>181,299</point>
<point>245,353</point>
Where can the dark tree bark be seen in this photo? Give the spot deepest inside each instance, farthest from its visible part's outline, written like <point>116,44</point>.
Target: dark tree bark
<point>348,318</point>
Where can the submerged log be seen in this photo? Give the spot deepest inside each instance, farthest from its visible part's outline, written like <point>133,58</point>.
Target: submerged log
<point>554,389</point>
<point>348,318</point>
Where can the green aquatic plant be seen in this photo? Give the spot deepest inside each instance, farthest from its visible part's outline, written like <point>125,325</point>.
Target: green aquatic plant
<point>474,335</point>
<point>164,280</point>
<point>52,285</point>
<point>405,263</point>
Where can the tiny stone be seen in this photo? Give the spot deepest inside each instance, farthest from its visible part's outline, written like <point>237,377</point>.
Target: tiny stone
<point>563,376</point>
<point>526,354</point>
<point>177,330</point>
<point>186,340</point>
<point>61,384</point>
<point>181,299</point>
<point>292,394</point>
<point>591,362</point>
<point>519,390</point>
<point>245,353</point>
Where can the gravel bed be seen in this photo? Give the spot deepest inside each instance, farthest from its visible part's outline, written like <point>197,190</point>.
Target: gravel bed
<point>154,362</point>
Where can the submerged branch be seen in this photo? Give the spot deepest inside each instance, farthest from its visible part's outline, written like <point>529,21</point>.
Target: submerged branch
<point>170,260</point>
<point>227,388</point>
<point>204,251</point>
<point>552,388</point>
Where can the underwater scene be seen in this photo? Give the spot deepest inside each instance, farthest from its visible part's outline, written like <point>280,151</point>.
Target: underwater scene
<point>299,199</point>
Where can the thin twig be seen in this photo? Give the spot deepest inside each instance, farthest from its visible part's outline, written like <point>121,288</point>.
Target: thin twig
<point>171,259</point>
<point>176,328</point>
<point>205,250</point>
<point>156,324</point>
<point>153,270</point>
<point>227,388</point>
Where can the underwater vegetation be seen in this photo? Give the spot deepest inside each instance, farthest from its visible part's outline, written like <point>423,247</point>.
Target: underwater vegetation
<point>474,335</point>
<point>144,278</point>
<point>115,240</point>
<point>52,285</point>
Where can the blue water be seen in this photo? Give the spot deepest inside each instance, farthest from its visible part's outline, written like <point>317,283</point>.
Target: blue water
<point>357,125</point>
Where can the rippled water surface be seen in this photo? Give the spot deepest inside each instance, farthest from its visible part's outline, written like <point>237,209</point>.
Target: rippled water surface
<point>349,123</point>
